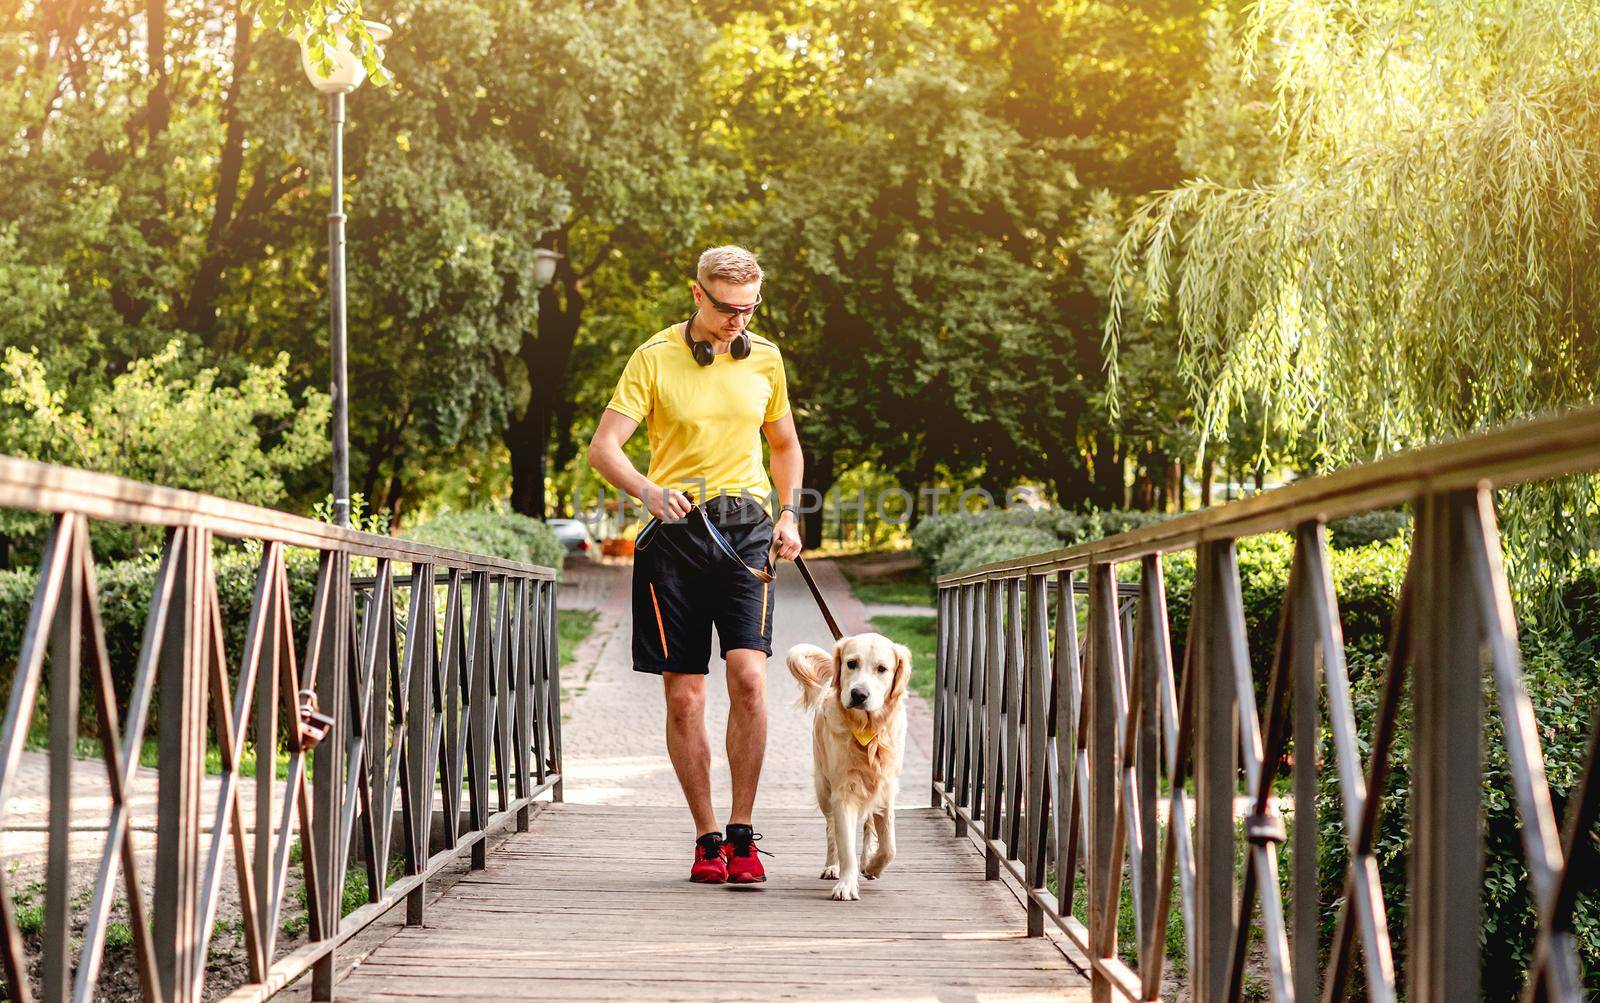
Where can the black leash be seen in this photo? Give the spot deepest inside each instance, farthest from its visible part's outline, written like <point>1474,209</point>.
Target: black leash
<point>816,593</point>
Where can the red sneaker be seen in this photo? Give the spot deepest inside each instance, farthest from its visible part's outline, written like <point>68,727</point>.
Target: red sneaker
<point>709,868</point>
<point>744,866</point>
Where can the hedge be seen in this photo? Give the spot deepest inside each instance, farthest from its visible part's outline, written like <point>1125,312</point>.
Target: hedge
<point>510,535</point>
<point>960,540</point>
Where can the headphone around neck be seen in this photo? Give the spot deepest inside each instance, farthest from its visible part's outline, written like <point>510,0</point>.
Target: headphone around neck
<point>704,353</point>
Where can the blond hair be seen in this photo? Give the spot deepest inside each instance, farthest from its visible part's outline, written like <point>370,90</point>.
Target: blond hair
<point>728,264</point>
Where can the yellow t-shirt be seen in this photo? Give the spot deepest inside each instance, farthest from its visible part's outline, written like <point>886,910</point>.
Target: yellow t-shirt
<point>704,421</point>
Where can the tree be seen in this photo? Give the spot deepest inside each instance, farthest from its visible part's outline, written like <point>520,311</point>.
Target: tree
<point>616,127</point>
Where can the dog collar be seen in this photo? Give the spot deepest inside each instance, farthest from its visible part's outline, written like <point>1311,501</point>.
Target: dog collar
<point>863,737</point>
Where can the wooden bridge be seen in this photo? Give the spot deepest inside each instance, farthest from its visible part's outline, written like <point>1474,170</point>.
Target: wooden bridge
<point>1072,779</point>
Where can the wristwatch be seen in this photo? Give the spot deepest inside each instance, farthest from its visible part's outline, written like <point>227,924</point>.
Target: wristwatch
<point>790,508</point>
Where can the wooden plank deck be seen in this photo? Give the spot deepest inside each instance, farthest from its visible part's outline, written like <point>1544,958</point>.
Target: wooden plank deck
<point>593,903</point>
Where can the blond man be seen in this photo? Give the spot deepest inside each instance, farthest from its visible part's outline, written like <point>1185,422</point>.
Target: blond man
<point>709,389</point>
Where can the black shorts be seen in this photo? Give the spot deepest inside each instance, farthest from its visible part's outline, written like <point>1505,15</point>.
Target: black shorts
<point>684,584</point>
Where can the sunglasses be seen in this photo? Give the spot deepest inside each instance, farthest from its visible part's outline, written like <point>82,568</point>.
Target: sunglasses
<point>729,308</point>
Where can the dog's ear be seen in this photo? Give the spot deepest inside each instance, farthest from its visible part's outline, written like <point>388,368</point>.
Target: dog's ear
<point>902,672</point>
<point>838,664</point>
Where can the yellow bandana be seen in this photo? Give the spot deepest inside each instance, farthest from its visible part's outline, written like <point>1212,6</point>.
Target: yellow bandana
<point>863,737</point>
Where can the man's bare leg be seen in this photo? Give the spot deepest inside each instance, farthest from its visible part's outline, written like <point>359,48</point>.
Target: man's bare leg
<point>689,747</point>
<point>747,728</point>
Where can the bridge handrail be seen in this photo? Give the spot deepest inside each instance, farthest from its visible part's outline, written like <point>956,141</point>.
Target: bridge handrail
<point>381,673</point>
<point>1052,747</point>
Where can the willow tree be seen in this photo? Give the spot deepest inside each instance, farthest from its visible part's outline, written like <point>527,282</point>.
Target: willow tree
<point>1414,259</point>
<point>1419,260</point>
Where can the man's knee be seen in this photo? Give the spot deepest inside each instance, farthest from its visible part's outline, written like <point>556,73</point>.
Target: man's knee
<point>747,679</point>
<point>686,700</point>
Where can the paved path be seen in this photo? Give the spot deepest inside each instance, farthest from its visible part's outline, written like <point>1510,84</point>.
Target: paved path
<point>593,902</point>
<point>615,752</point>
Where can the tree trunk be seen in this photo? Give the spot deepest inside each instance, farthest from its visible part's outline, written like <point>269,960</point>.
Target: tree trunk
<point>545,354</point>
<point>199,311</point>
<point>1110,478</point>
<point>1261,478</point>
<point>1208,473</point>
<point>526,438</point>
<point>818,477</point>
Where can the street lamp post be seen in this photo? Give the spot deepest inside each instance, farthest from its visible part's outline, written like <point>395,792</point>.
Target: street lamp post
<point>345,72</point>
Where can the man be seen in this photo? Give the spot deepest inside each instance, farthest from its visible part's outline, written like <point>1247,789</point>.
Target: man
<point>706,387</point>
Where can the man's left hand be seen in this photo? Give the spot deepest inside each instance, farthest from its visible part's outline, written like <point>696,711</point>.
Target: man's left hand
<point>786,536</point>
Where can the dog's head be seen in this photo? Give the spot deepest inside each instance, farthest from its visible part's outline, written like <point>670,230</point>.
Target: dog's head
<point>870,672</point>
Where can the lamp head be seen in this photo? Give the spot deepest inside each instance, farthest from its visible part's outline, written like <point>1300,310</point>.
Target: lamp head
<point>347,71</point>
<point>544,265</point>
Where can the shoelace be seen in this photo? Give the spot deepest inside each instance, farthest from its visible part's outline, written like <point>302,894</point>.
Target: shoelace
<point>704,852</point>
<point>755,837</point>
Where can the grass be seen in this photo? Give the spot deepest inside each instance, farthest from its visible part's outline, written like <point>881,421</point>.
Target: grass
<point>573,627</point>
<point>919,633</point>
<point>890,579</point>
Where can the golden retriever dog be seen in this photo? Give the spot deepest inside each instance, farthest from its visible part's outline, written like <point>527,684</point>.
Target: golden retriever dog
<point>857,696</point>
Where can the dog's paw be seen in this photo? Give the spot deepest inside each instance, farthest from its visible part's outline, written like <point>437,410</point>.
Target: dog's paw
<point>846,890</point>
<point>830,873</point>
<point>875,866</point>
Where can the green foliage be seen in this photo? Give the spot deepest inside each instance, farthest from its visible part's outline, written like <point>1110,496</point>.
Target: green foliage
<point>163,421</point>
<point>119,936</point>
<point>920,634</point>
<point>960,540</point>
<point>1367,527</point>
<point>999,541</point>
<point>125,588</point>
<point>1403,263</point>
<point>168,422</point>
<point>509,535</point>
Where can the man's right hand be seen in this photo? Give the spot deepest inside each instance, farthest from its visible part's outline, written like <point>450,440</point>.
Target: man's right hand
<point>665,503</point>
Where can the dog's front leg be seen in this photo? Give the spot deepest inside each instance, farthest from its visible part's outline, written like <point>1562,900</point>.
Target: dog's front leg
<point>883,827</point>
<point>846,825</point>
<point>830,866</point>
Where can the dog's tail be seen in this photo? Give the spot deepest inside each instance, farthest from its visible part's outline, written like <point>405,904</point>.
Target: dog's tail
<point>812,668</point>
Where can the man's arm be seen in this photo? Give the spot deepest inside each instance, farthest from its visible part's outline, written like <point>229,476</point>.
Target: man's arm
<point>788,470</point>
<point>607,457</point>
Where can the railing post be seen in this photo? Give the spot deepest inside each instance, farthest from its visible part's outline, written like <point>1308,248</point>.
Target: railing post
<point>330,649</point>
<point>1149,621</point>
<point>66,661</point>
<point>1104,674</point>
<point>522,675</point>
<point>941,656</point>
<point>479,661</point>
<point>994,738</point>
<point>1215,776</point>
<point>1016,714</point>
<point>1447,762</point>
<point>419,731</point>
<point>553,681</point>
<point>1036,664</point>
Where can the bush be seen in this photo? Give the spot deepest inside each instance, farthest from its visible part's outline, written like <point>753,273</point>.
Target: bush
<point>1368,527</point>
<point>998,542</point>
<point>510,535</point>
<point>125,588</point>
<point>1045,529</point>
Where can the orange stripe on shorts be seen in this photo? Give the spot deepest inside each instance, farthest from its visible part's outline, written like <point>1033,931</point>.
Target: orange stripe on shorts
<point>763,607</point>
<point>660,627</point>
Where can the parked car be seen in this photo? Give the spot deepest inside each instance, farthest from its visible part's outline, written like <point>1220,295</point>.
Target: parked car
<point>574,535</point>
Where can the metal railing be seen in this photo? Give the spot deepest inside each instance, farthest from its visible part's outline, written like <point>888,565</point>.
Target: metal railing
<point>1055,745</point>
<point>399,699</point>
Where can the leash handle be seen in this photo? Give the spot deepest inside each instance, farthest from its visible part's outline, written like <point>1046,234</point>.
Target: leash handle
<point>822,604</point>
